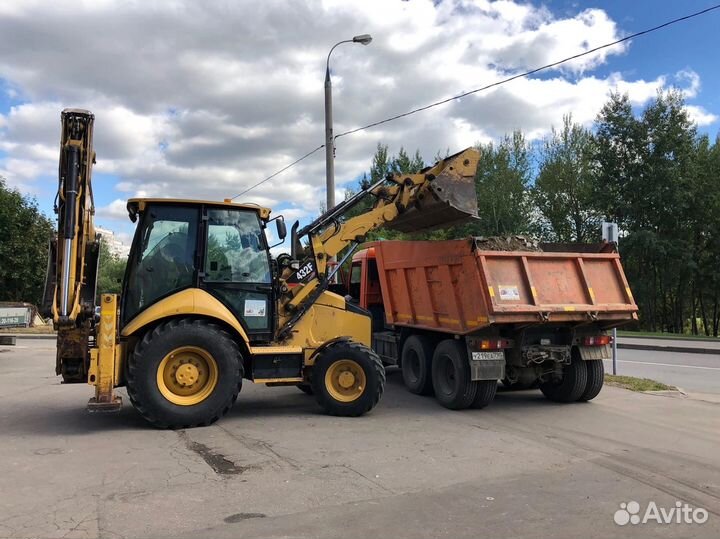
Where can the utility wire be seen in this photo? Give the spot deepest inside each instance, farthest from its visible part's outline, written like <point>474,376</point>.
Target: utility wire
<point>278,172</point>
<point>526,73</point>
<point>494,84</point>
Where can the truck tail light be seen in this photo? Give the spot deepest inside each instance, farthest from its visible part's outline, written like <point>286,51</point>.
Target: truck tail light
<point>494,344</point>
<point>596,340</point>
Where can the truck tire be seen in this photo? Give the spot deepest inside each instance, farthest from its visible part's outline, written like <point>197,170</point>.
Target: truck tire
<point>451,376</point>
<point>348,379</point>
<point>486,390</point>
<point>416,365</point>
<point>572,384</point>
<point>184,373</point>
<point>595,379</point>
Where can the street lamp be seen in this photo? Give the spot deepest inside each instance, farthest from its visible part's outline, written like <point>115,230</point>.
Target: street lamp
<point>365,39</point>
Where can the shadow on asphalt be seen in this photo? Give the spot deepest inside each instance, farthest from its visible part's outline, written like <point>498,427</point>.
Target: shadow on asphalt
<point>73,419</point>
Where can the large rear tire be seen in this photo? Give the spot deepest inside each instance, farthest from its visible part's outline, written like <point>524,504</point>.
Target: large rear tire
<point>184,373</point>
<point>416,364</point>
<point>486,390</point>
<point>571,386</point>
<point>595,379</point>
<point>348,379</point>
<point>451,376</point>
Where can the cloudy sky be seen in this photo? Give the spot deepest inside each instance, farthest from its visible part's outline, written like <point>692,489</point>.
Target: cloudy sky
<point>202,99</point>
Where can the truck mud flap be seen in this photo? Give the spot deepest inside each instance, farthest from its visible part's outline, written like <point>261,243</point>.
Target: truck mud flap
<point>591,353</point>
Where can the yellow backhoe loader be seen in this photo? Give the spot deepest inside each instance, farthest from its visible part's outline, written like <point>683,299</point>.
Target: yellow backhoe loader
<point>204,305</point>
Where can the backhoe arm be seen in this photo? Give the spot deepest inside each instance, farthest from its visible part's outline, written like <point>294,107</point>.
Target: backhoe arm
<point>441,195</point>
<point>74,253</point>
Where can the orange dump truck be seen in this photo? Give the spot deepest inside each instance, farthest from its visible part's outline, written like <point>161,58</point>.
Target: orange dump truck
<point>457,318</point>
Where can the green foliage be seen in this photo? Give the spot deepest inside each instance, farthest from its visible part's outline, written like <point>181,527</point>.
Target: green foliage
<point>563,191</point>
<point>110,272</point>
<point>649,171</point>
<point>502,183</point>
<point>24,236</point>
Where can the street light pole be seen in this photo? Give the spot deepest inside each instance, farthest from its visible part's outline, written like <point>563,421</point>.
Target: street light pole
<point>364,39</point>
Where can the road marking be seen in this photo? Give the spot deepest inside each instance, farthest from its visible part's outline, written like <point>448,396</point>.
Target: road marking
<point>665,364</point>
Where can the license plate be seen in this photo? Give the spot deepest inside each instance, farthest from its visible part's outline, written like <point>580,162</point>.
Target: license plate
<point>481,356</point>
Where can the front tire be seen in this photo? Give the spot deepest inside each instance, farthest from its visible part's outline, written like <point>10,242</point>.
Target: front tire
<point>348,379</point>
<point>184,373</point>
<point>451,376</point>
<point>416,364</point>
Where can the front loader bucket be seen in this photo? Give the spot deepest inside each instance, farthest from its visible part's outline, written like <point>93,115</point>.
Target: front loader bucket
<point>450,198</point>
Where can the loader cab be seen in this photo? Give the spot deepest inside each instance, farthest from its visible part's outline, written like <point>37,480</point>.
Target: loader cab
<point>220,248</point>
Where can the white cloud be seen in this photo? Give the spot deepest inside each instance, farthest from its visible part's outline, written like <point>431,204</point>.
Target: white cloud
<point>700,116</point>
<point>202,100</point>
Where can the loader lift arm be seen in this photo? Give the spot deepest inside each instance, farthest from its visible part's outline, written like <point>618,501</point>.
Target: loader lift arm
<point>74,253</point>
<point>440,195</point>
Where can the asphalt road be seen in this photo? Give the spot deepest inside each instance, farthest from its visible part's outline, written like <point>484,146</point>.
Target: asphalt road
<point>698,373</point>
<point>276,467</point>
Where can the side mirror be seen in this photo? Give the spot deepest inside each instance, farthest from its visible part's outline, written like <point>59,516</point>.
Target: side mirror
<point>281,229</point>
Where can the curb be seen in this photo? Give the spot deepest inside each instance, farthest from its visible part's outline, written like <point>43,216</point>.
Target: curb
<point>676,349</point>
<point>31,335</point>
<point>670,337</point>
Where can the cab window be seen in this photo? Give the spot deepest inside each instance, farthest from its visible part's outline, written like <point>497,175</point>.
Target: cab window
<point>163,259</point>
<point>235,248</point>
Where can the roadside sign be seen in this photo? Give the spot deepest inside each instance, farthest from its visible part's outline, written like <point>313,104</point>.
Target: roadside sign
<point>610,232</point>
<point>14,317</point>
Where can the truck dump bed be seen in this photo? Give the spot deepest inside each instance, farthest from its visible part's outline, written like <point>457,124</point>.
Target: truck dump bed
<point>453,286</point>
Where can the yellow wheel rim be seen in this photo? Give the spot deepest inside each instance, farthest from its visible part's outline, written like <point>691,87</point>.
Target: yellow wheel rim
<point>187,375</point>
<point>345,380</point>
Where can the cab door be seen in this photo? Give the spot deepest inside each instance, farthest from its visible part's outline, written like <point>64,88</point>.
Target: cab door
<point>236,268</point>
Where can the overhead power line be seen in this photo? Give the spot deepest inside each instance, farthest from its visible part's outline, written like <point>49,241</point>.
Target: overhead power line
<point>489,86</point>
<point>279,171</point>
<point>527,73</point>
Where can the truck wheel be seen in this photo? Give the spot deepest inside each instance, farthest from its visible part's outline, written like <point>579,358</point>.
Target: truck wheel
<point>595,379</point>
<point>572,384</point>
<point>486,390</point>
<point>416,364</point>
<point>451,376</point>
<point>348,379</point>
<point>184,373</point>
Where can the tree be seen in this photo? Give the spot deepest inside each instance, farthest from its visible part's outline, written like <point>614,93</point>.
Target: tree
<point>110,272</point>
<point>24,235</point>
<point>563,191</point>
<point>648,180</point>
<point>618,153</point>
<point>501,184</point>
